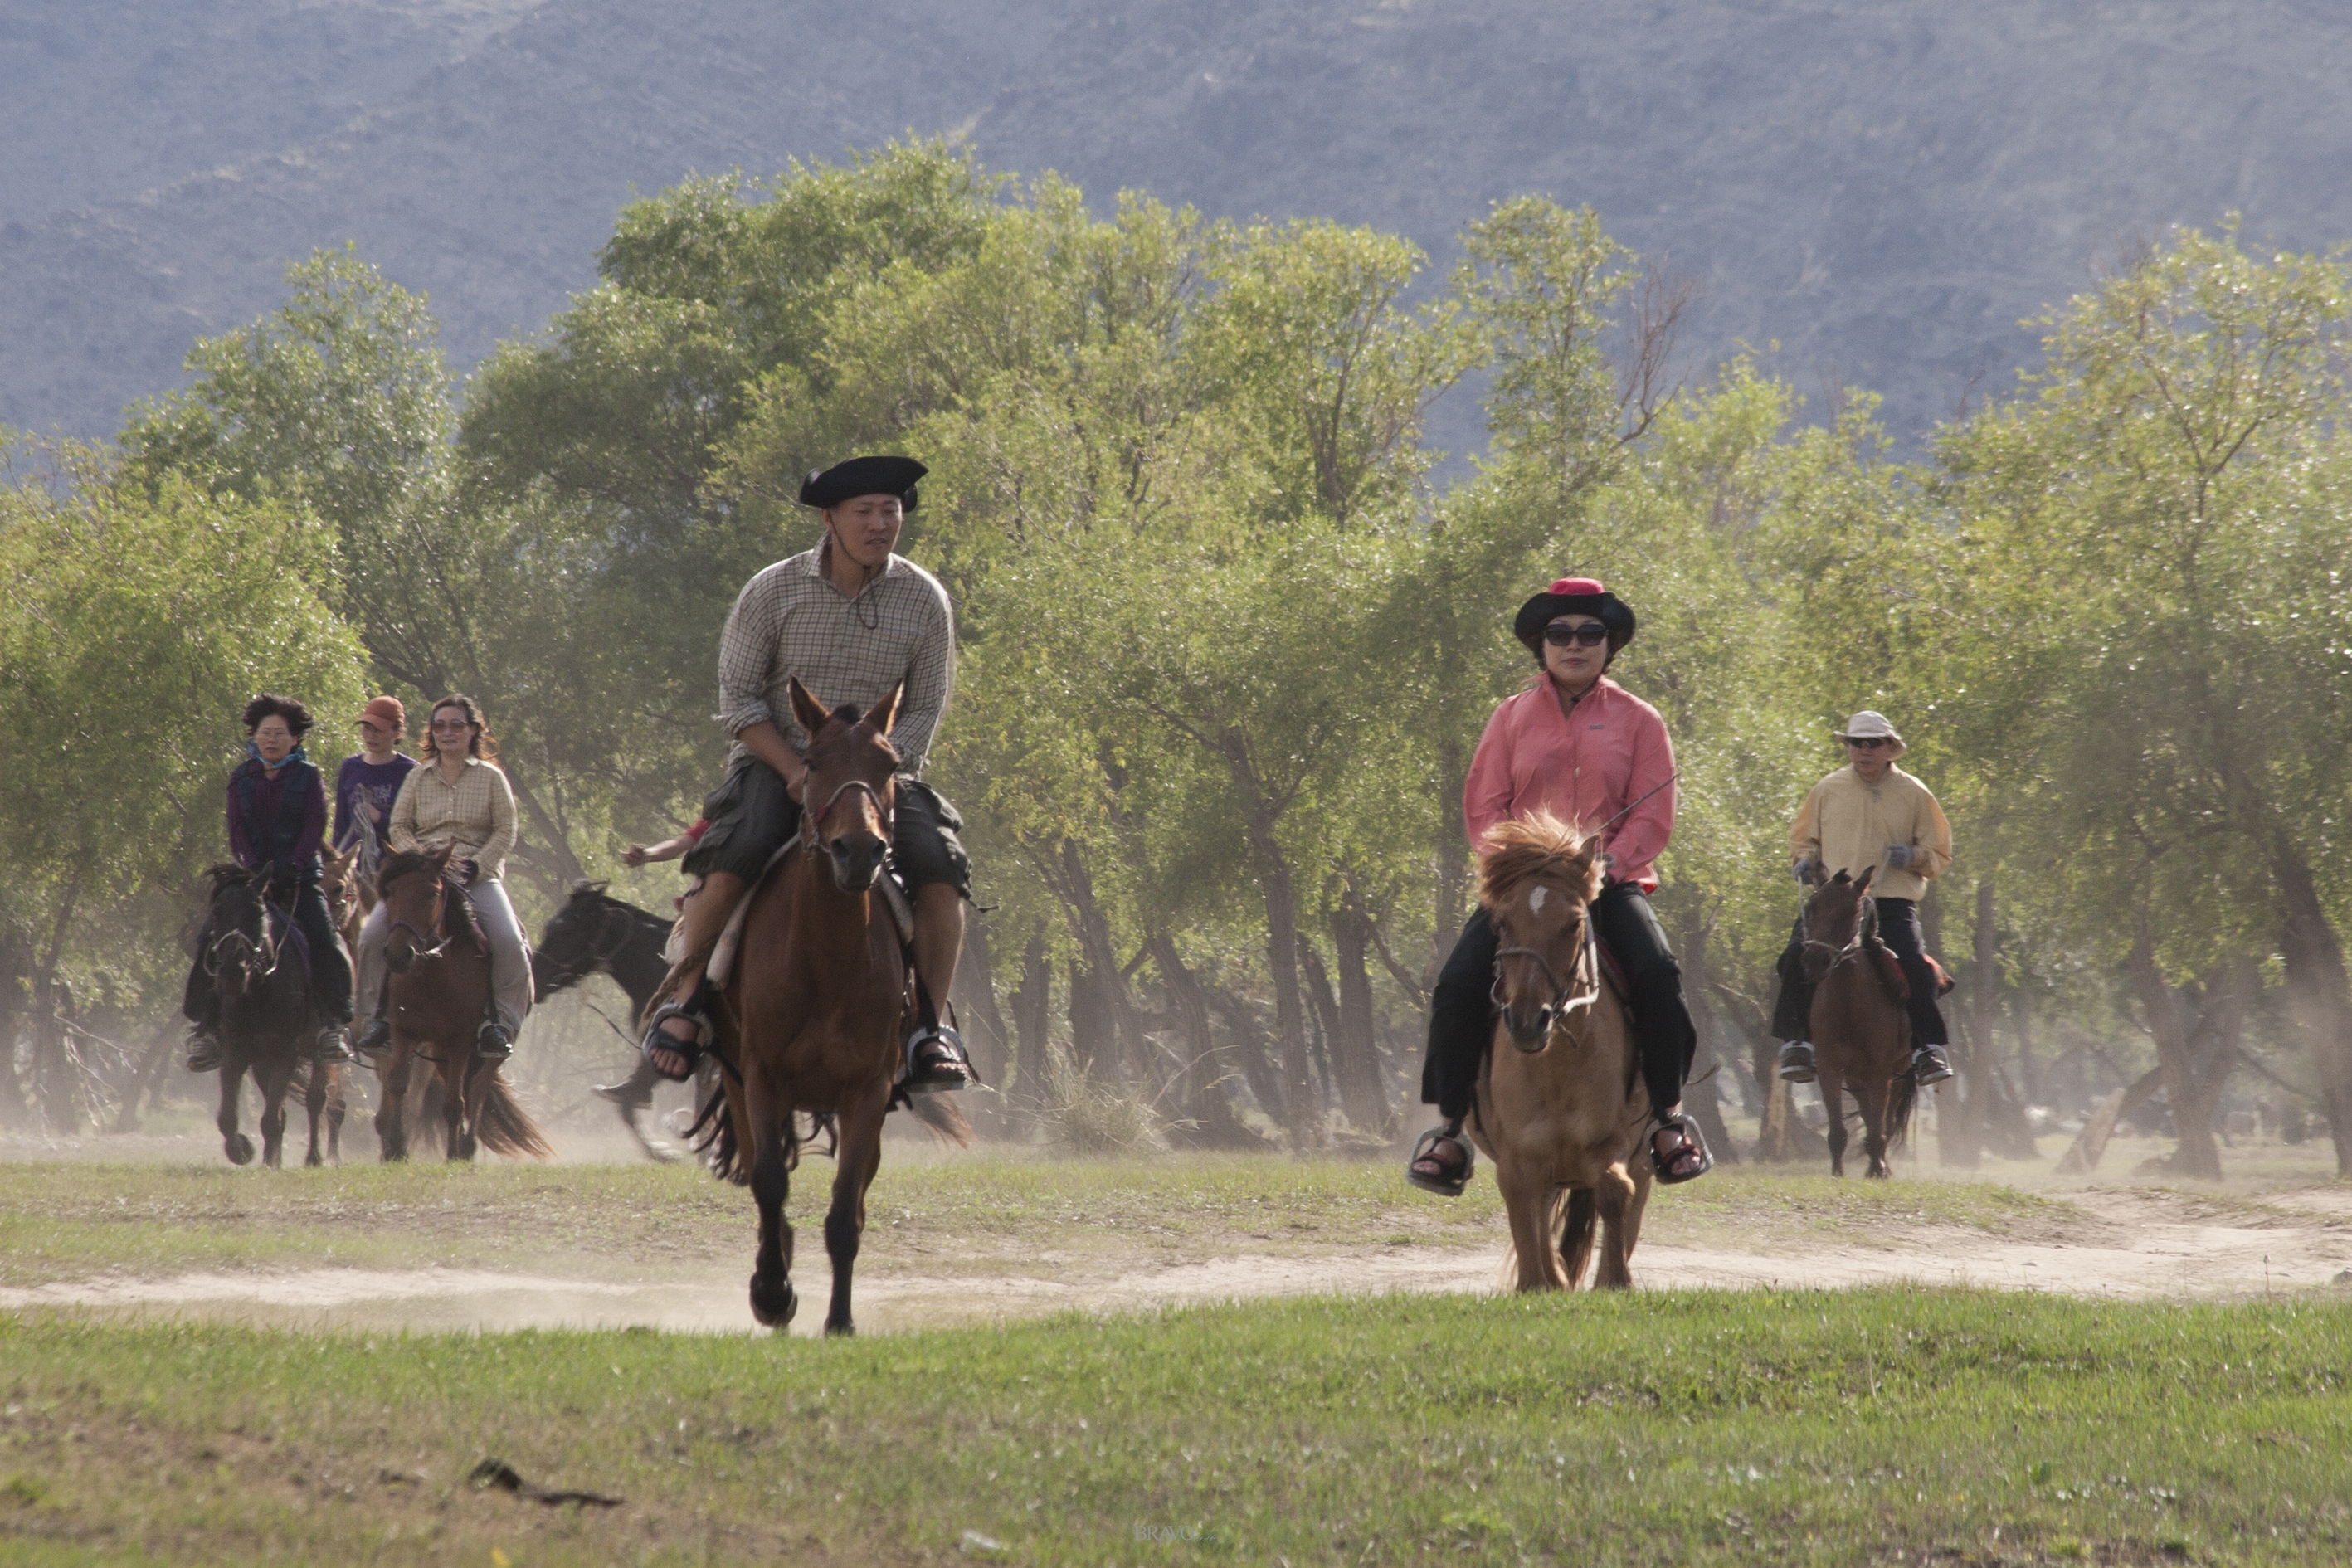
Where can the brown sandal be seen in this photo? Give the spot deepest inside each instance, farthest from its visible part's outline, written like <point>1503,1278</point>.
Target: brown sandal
<point>1425,1152</point>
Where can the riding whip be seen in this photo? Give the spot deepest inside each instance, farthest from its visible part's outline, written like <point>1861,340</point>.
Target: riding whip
<point>1644,796</point>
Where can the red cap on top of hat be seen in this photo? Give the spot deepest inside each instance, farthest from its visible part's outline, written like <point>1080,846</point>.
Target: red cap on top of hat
<point>1577,586</point>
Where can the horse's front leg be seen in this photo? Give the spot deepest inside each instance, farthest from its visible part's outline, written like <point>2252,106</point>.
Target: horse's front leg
<point>1613,1194</point>
<point>315,1102</point>
<point>860,1121</point>
<point>1526,1199</point>
<point>394,1087</point>
<point>234,1144</point>
<point>1873,1097</point>
<point>772,1300</point>
<point>273,1083</point>
<point>1828,1068</point>
<point>460,1100</point>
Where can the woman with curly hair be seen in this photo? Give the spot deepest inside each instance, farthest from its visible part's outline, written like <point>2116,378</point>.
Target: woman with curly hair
<point>277,817</point>
<point>460,798</point>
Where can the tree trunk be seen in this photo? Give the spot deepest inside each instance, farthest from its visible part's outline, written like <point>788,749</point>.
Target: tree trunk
<point>2176,1046</point>
<point>1453,859</point>
<point>1322,1024</point>
<point>1960,1128</point>
<point>1033,1019</point>
<point>975,997</point>
<point>2021,1024</point>
<point>15,980</point>
<point>549,860</point>
<point>52,1076</point>
<point>1363,1093</point>
<point>1214,1124</point>
<point>2315,980</point>
<point>1702,1097</point>
<point>1258,1068</point>
<point>1090,1017</point>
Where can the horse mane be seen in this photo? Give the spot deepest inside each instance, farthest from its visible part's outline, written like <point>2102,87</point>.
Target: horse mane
<point>400,864</point>
<point>227,874</point>
<point>1540,847</point>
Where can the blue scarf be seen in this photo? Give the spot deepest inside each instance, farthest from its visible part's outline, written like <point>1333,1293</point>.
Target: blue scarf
<point>287,761</point>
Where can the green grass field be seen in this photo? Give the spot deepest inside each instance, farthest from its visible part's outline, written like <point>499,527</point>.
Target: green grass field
<point>978,1214</point>
<point>1751,1428</point>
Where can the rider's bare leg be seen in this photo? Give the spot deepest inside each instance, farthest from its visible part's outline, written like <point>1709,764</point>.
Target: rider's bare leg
<point>938,938</point>
<point>706,916</point>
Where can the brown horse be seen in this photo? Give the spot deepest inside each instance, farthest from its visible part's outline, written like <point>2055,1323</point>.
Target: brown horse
<point>266,1016</point>
<point>1560,1110</point>
<point>439,989</point>
<point>1861,1037</point>
<point>817,1002</point>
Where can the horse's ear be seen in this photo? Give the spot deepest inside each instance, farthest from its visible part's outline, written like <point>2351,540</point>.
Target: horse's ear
<point>1863,885</point>
<point>440,857</point>
<point>807,710</point>
<point>1839,878</point>
<point>885,713</point>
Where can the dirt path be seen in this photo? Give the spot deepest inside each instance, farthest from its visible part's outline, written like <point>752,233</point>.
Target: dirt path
<point>2144,1245</point>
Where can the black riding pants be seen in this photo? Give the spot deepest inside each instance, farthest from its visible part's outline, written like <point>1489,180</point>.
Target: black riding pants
<point>330,967</point>
<point>1462,1010</point>
<point>1898,928</point>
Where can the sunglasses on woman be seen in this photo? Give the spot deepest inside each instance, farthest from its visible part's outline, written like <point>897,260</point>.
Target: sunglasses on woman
<point>1867,743</point>
<point>1591,633</point>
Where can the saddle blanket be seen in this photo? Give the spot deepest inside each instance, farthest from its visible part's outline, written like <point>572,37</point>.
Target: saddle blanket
<point>1890,970</point>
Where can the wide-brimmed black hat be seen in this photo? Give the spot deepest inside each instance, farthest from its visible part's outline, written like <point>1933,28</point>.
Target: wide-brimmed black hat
<point>1574,597</point>
<point>863,477</point>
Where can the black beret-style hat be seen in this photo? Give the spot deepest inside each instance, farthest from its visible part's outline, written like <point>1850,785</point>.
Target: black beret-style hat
<point>863,477</point>
<point>1574,597</point>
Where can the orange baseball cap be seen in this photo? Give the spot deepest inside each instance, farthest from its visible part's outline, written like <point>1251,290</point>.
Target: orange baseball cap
<point>388,712</point>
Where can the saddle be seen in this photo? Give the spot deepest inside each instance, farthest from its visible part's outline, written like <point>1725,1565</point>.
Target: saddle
<point>1890,973</point>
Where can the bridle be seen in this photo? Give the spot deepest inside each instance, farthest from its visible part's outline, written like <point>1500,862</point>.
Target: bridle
<point>887,812</point>
<point>440,892</point>
<point>267,944</point>
<point>1865,921</point>
<point>1583,981</point>
<point>600,954</point>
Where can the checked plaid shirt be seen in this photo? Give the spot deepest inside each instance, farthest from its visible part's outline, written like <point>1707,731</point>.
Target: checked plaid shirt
<point>792,620</point>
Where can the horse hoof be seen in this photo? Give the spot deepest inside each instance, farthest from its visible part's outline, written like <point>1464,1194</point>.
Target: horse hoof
<point>844,1330</point>
<point>240,1149</point>
<point>462,1150</point>
<point>313,1161</point>
<point>773,1303</point>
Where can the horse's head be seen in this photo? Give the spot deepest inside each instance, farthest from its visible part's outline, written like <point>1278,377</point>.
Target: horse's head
<point>579,939</point>
<point>849,794</point>
<point>1832,920</point>
<point>244,940</point>
<point>1537,877</point>
<point>412,891</point>
<point>339,880</point>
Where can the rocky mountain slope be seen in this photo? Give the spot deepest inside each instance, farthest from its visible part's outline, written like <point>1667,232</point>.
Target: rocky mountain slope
<point>1881,188</point>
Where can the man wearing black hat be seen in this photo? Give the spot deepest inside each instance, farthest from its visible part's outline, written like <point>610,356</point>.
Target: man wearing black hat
<point>852,619</point>
<point>1580,746</point>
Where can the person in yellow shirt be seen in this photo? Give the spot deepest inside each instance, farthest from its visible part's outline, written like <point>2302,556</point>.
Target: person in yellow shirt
<point>1868,814</point>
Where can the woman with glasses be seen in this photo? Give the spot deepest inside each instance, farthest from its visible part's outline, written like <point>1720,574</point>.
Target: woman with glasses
<point>458,797</point>
<point>1580,746</point>
<point>1870,813</point>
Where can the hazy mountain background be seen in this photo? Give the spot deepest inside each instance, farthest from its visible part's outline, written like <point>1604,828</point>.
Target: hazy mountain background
<point>1883,187</point>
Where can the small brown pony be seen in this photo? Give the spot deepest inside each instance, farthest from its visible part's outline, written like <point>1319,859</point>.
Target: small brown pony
<point>817,999</point>
<point>1562,1108</point>
<point>1861,1036</point>
<point>440,987</point>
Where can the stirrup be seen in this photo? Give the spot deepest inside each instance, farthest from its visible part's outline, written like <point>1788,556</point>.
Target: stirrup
<point>203,1050</point>
<point>1694,1141</point>
<point>691,1048</point>
<point>1425,1148</point>
<point>330,1048</point>
<point>949,1071</point>
<point>1929,1065</point>
<point>490,1043</point>
<point>1797,1062</point>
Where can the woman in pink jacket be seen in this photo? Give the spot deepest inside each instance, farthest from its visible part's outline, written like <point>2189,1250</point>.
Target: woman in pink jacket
<point>1580,746</point>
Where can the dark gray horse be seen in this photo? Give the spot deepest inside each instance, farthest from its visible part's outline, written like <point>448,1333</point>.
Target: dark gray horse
<point>266,1016</point>
<point>596,933</point>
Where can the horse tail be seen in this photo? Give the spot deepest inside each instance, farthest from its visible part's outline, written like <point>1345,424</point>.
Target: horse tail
<point>1901,1096</point>
<point>1577,1229</point>
<point>944,1118</point>
<point>505,1128</point>
<point>712,1138</point>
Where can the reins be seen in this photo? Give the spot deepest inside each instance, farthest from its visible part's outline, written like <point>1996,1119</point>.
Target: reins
<point>441,918</point>
<point>220,945</point>
<point>1865,925</point>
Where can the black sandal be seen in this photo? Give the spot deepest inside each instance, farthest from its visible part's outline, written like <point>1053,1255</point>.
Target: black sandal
<point>946,1066</point>
<point>1425,1148</point>
<point>689,1047</point>
<point>1669,1167</point>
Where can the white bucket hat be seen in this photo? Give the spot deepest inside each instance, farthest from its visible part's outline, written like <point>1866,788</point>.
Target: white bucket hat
<point>1867,725</point>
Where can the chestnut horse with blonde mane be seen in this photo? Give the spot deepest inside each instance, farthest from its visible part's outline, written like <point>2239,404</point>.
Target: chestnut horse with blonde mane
<point>1560,1109</point>
<point>1862,1033</point>
<point>439,990</point>
<point>817,1001</point>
